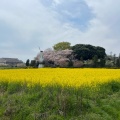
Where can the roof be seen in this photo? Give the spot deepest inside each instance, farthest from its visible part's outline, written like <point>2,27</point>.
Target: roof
<point>10,60</point>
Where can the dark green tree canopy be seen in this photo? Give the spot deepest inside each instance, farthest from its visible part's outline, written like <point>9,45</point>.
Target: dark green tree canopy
<point>88,51</point>
<point>27,62</point>
<point>62,46</point>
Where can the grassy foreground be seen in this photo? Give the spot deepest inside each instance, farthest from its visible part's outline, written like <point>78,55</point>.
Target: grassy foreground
<point>20,102</point>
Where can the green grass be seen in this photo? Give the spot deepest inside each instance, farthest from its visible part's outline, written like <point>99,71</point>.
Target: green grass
<point>18,102</point>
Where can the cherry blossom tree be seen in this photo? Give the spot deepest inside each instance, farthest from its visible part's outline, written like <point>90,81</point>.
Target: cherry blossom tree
<point>59,58</point>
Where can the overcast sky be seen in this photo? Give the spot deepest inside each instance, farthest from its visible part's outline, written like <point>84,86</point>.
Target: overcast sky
<point>26,25</point>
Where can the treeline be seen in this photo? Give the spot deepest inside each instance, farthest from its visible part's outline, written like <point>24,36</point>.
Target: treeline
<point>79,55</point>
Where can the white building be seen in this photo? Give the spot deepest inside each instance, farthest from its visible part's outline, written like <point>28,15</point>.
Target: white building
<point>41,59</point>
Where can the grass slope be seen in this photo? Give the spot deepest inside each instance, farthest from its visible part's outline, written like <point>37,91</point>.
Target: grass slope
<point>19,102</point>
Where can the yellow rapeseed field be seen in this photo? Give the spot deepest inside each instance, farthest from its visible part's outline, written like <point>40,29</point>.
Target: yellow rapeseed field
<point>61,76</point>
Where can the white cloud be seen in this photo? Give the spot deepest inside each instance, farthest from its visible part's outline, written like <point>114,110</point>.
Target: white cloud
<point>34,24</point>
<point>105,30</point>
<point>57,1</point>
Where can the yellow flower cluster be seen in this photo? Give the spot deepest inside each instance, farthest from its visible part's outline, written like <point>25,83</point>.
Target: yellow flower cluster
<point>61,76</point>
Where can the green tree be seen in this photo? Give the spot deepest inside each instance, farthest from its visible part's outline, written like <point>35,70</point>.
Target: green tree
<point>95,61</point>
<point>118,62</point>
<point>114,59</point>
<point>87,51</point>
<point>33,63</point>
<point>27,62</point>
<point>102,62</point>
<point>62,46</point>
